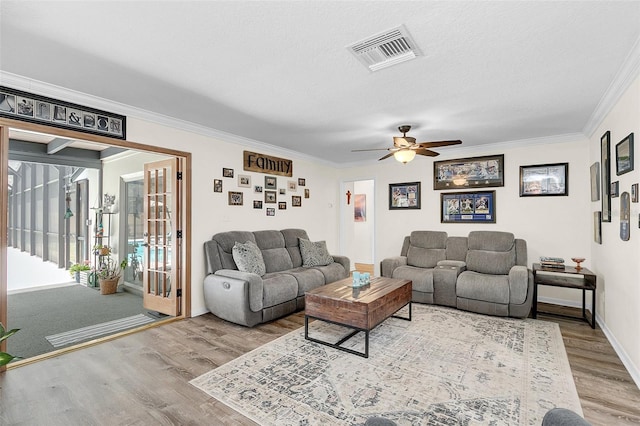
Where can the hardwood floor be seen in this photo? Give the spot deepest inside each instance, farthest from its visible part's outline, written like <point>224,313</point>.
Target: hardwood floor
<point>143,378</point>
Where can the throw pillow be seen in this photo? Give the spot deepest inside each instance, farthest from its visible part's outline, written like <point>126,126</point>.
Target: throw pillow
<point>314,253</point>
<point>248,258</point>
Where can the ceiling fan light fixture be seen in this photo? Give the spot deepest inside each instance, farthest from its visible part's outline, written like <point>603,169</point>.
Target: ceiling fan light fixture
<point>404,155</point>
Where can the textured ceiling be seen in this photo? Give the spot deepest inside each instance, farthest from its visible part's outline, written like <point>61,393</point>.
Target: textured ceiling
<point>279,72</point>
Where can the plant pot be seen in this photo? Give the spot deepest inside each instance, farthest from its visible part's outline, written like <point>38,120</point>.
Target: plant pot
<point>76,275</point>
<point>109,286</point>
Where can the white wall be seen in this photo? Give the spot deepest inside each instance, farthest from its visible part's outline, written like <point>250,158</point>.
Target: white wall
<point>210,212</point>
<point>552,226</point>
<point>616,261</point>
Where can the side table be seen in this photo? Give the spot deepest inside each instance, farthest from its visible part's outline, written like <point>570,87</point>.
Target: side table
<point>567,277</point>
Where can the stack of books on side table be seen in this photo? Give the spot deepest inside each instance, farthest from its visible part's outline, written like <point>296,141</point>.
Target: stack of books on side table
<point>552,262</point>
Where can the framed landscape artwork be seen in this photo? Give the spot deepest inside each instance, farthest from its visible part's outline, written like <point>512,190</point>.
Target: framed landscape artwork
<point>404,196</point>
<point>605,165</point>
<point>475,172</point>
<point>597,228</point>
<point>624,155</point>
<point>544,180</point>
<point>468,207</point>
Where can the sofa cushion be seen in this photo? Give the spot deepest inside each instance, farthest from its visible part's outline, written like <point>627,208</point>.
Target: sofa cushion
<point>485,287</point>
<point>308,279</point>
<point>332,272</point>
<point>278,288</point>
<point>491,252</point>
<point>225,242</point>
<point>314,253</point>
<point>291,242</point>
<point>248,258</point>
<point>275,255</point>
<point>422,277</point>
<point>426,248</point>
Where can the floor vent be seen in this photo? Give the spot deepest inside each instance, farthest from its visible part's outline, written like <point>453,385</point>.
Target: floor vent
<point>385,49</point>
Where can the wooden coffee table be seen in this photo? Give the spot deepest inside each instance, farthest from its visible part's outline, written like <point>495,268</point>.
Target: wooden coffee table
<point>360,309</point>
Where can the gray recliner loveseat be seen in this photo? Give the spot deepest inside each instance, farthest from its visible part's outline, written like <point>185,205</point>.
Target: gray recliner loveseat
<point>249,298</point>
<point>485,272</point>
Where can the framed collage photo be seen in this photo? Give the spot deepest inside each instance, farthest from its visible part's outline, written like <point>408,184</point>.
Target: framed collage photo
<point>474,172</point>
<point>468,207</point>
<point>33,108</point>
<point>404,196</point>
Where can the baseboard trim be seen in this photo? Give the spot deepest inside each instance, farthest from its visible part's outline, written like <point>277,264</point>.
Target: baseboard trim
<point>198,312</point>
<point>626,361</point>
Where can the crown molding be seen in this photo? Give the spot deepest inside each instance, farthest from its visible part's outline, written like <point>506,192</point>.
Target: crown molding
<point>57,92</point>
<point>627,73</point>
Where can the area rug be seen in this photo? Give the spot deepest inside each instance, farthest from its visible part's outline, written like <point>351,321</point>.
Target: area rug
<point>98,330</point>
<point>445,367</point>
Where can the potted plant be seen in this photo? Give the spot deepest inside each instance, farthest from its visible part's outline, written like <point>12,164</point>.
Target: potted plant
<point>108,273</point>
<point>101,250</point>
<point>76,268</point>
<point>5,358</point>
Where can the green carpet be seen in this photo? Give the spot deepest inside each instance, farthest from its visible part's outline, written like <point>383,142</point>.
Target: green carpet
<point>46,312</point>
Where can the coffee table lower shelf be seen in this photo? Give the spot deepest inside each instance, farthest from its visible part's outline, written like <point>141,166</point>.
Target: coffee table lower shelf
<point>356,330</point>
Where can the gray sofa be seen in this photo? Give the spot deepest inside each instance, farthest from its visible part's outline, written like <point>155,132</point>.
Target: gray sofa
<point>485,272</point>
<point>247,298</point>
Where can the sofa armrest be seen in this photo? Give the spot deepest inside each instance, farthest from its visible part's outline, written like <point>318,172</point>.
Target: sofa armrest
<point>253,282</point>
<point>456,265</point>
<point>388,265</point>
<point>344,261</point>
<point>518,284</point>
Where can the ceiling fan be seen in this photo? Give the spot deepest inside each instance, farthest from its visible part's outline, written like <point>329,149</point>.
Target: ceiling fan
<point>405,147</point>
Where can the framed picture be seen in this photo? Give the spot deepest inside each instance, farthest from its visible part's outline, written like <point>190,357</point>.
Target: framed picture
<point>544,180</point>
<point>634,193</point>
<point>615,189</point>
<point>257,189</point>
<point>360,208</point>
<point>271,211</point>
<point>306,193</point>
<point>270,182</point>
<point>217,185</point>
<point>270,197</point>
<point>244,181</point>
<point>301,182</point>
<point>624,155</point>
<point>235,198</point>
<point>605,164</point>
<point>24,106</point>
<point>468,207</point>
<point>282,191</point>
<point>597,227</point>
<point>293,187</point>
<point>282,205</point>
<point>404,196</point>
<point>475,172</point>
<point>296,201</point>
<point>257,204</point>
<point>595,181</point>
<point>228,173</point>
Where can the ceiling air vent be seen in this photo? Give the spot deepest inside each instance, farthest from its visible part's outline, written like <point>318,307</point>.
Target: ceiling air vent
<point>385,49</point>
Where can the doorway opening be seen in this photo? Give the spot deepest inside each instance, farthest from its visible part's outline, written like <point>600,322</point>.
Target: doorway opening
<point>357,223</point>
<point>59,215</point>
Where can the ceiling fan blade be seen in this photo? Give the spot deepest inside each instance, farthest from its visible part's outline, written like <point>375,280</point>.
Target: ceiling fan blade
<point>371,149</point>
<point>427,152</point>
<point>386,156</point>
<point>439,143</point>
